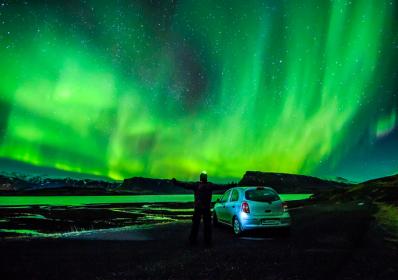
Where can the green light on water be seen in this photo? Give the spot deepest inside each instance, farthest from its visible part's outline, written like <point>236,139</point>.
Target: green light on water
<point>86,200</point>
<point>21,231</point>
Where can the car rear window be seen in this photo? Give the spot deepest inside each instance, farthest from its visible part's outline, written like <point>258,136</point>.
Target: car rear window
<point>262,195</point>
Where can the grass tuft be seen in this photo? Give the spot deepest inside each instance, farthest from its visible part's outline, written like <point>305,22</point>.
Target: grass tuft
<point>387,217</point>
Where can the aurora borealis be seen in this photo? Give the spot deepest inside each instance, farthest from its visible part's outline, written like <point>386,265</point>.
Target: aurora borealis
<point>171,88</point>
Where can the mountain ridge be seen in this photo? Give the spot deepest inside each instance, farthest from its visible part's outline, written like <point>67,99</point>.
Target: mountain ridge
<point>281,182</point>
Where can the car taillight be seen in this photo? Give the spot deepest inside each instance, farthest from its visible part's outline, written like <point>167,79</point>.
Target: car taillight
<point>245,207</point>
<point>284,205</point>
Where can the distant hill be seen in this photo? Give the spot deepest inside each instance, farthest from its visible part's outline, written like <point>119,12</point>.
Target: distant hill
<point>141,185</point>
<point>17,184</point>
<point>38,185</point>
<point>290,183</point>
<point>342,180</point>
<point>281,182</point>
<point>389,181</point>
<point>383,189</point>
<point>14,183</point>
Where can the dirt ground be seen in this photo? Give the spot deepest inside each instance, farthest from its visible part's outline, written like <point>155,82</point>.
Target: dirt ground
<point>327,241</point>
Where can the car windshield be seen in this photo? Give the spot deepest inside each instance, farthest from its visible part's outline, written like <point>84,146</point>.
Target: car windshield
<point>262,195</point>
<point>225,197</point>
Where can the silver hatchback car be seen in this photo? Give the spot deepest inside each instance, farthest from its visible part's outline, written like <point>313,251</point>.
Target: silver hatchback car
<point>246,208</point>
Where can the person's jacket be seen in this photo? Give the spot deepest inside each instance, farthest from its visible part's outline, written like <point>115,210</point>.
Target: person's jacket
<point>202,192</point>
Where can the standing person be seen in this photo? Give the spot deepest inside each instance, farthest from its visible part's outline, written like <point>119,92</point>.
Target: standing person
<point>203,193</point>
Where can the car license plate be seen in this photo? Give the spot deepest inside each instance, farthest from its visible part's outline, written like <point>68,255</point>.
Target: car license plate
<point>268,221</point>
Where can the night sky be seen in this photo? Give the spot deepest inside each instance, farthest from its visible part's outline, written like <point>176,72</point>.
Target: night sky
<point>171,88</point>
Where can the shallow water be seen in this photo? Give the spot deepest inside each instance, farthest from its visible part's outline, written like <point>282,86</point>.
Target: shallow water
<point>49,215</point>
<point>85,200</point>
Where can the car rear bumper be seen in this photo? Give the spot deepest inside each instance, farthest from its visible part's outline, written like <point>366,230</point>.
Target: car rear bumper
<point>266,222</point>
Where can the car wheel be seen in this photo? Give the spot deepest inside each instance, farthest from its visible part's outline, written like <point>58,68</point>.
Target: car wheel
<point>215,220</point>
<point>237,226</point>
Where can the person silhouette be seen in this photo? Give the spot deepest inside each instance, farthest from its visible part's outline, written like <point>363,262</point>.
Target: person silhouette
<point>202,206</point>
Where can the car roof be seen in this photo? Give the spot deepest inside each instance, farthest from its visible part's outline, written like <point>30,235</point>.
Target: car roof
<point>253,187</point>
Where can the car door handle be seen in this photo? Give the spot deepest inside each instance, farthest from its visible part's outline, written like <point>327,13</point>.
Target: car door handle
<point>233,206</point>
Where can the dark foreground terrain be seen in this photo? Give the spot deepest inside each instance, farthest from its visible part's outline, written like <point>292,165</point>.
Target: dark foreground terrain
<point>328,241</point>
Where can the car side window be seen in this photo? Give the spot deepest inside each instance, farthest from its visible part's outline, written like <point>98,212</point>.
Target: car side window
<point>225,196</point>
<point>235,195</point>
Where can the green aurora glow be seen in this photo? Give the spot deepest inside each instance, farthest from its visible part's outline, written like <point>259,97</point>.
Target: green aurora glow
<point>171,89</point>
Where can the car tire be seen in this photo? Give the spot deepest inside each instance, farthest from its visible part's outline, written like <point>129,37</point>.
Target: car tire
<point>237,227</point>
<point>216,223</point>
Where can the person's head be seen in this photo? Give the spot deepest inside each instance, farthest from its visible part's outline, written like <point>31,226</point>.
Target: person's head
<point>203,177</point>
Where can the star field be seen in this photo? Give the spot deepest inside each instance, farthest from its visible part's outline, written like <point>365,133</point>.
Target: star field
<point>170,88</point>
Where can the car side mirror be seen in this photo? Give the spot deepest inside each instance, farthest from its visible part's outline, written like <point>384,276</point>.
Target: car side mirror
<point>218,200</point>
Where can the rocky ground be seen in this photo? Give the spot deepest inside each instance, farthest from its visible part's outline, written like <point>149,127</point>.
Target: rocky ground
<point>49,220</point>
